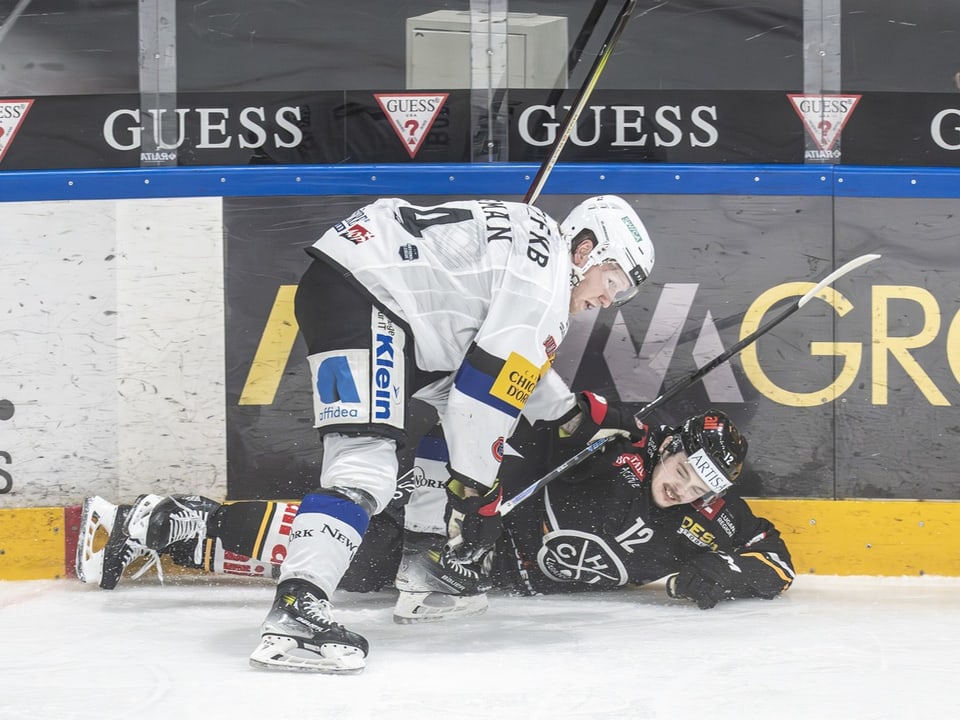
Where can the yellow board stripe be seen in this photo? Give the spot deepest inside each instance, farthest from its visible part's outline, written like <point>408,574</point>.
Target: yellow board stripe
<point>826,537</point>
<point>272,354</point>
<point>868,537</point>
<point>32,544</point>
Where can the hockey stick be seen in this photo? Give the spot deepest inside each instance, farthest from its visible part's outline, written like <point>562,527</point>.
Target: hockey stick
<point>679,387</point>
<point>580,101</point>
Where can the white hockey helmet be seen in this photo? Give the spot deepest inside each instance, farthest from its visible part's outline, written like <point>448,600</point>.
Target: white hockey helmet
<point>620,237</point>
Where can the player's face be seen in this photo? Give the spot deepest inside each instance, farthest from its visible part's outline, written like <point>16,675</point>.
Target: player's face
<point>675,482</point>
<point>601,285</point>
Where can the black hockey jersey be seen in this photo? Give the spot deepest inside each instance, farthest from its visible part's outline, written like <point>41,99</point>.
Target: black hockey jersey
<point>598,527</point>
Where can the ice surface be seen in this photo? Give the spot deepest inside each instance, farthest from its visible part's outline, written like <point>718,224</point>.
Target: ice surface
<point>829,648</point>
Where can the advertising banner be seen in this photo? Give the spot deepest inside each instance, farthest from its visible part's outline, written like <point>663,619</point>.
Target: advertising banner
<point>851,397</point>
<point>617,126</point>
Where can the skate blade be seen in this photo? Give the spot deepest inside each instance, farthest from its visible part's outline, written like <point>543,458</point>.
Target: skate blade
<point>420,607</point>
<point>273,653</point>
<point>96,523</point>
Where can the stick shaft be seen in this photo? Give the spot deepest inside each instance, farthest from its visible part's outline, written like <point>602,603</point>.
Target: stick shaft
<point>737,347</point>
<point>688,381</point>
<point>580,102</point>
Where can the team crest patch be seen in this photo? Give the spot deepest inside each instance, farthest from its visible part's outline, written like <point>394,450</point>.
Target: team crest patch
<point>497,449</point>
<point>572,556</point>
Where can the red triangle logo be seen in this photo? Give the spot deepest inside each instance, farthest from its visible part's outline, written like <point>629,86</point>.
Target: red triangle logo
<point>824,116</point>
<point>12,114</point>
<point>411,115</point>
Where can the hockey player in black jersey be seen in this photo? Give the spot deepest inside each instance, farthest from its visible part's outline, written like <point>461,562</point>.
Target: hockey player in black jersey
<point>648,506</point>
<point>653,503</point>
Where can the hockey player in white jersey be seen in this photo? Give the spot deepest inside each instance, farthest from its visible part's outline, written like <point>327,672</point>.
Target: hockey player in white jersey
<point>461,305</point>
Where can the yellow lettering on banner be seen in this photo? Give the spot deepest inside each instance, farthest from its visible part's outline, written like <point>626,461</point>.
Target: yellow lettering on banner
<point>899,347</point>
<point>274,349</point>
<point>851,351</point>
<point>516,381</point>
<point>953,346</point>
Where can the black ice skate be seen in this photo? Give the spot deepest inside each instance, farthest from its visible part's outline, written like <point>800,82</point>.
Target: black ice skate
<point>299,634</point>
<point>104,548</point>
<point>434,584</point>
<point>158,521</point>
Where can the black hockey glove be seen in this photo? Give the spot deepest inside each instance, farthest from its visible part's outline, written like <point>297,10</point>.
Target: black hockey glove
<point>706,579</point>
<point>473,521</point>
<point>598,417</point>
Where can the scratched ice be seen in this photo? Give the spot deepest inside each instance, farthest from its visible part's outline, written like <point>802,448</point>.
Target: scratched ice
<point>831,647</point>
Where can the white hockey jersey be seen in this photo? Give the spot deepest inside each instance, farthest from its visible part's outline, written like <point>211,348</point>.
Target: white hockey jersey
<point>485,288</point>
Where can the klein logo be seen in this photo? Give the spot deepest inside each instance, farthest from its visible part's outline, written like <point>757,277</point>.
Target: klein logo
<point>382,376</point>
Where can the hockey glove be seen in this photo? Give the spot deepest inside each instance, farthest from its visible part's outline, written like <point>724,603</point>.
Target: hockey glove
<point>706,579</point>
<point>598,417</point>
<point>473,521</point>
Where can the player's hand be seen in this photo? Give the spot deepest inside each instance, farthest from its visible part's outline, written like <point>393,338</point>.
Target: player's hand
<point>600,417</point>
<point>474,522</point>
<point>706,579</point>
<point>593,418</point>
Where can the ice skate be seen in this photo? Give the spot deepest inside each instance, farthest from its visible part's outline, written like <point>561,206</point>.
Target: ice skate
<point>158,521</point>
<point>104,548</point>
<point>300,635</point>
<point>433,585</point>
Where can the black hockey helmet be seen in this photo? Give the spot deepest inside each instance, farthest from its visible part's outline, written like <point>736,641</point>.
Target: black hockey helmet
<point>714,447</point>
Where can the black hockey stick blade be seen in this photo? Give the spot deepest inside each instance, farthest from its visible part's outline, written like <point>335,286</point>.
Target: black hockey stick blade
<point>688,381</point>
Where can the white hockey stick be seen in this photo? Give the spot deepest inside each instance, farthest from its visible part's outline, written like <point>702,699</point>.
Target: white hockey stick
<point>679,387</point>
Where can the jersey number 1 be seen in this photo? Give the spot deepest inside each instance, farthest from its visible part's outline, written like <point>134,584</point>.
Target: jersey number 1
<point>416,219</point>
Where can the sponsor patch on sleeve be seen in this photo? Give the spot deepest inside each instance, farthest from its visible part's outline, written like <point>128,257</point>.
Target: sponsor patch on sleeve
<point>516,381</point>
<point>502,384</point>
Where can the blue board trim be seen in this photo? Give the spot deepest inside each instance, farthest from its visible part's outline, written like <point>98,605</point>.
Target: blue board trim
<point>477,180</point>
